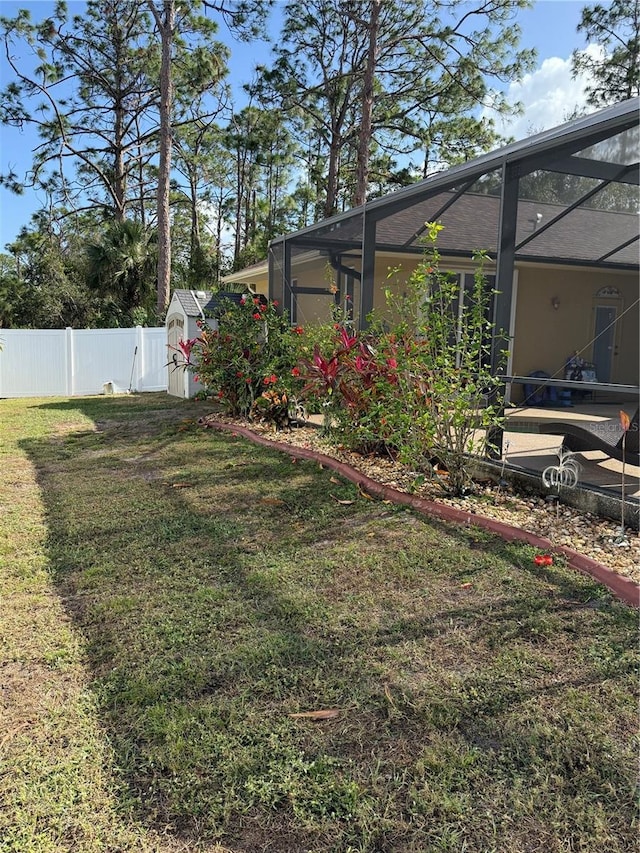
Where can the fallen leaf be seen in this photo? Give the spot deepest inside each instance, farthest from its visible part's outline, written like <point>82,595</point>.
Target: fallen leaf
<point>325,714</point>
<point>344,503</point>
<point>334,480</point>
<point>271,501</point>
<point>466,585</point>
<point>178,485</point>
<point>365,495</point>
<point>387,693</point>
<point>625,421</point>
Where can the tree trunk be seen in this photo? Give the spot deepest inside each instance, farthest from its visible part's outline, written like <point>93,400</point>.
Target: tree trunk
<point>364,138</point>
<point>219,225</point>
<point>166,26</point>
<point>119,174</point>
<point>194,241</point>
<point>331,200</point>
<point>237,243</point>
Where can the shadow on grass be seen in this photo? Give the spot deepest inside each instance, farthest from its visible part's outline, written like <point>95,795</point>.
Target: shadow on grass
<point>222,588</point>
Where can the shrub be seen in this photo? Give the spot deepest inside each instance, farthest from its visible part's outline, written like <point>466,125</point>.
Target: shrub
<point>252,351</point>
<point>422,390</point>
<point>453,399</point>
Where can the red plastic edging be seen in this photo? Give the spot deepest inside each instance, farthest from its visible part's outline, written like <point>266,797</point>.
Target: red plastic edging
<point>623,588</point>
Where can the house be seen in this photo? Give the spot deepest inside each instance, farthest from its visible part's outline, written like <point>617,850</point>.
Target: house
<point>557,214</point>
<point>254,277</point>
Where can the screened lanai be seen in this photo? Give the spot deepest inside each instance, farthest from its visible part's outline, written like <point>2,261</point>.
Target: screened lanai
<point>557,214</point>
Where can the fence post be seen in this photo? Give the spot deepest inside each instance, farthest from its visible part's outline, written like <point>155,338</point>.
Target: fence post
<point>140,342</point>
<point>69,359</point>
<point>2,346</point>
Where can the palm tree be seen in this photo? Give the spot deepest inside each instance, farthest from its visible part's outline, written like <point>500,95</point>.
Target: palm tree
<point>122,267</point>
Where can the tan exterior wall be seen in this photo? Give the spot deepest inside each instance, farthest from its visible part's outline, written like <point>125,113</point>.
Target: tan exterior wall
<point>314,309</point>
<point>393,271</point>
<point>546,336</point>
<point>257,280</point>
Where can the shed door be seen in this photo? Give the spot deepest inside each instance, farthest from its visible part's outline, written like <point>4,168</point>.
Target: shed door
<point>175,332</point>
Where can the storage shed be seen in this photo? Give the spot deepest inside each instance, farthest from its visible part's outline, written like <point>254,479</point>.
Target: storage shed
<point>185,309</point>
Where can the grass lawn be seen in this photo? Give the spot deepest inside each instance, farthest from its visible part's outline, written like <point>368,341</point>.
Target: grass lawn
<point>171,596</point>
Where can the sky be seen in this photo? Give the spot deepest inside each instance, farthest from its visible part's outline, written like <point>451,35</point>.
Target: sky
<point>548,94</point>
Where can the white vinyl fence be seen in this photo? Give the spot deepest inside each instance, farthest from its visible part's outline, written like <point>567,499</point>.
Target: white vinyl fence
<point>76,362</point>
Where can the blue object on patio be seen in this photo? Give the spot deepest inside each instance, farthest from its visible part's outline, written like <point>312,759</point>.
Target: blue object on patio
<point>539,394</point>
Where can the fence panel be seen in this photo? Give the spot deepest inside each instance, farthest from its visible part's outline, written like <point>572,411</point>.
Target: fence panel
<point>152,373</point>
<point>68,362</point>
<point>33,363</point>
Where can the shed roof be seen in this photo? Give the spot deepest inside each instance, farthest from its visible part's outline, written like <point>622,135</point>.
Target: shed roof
<point>195,302</point>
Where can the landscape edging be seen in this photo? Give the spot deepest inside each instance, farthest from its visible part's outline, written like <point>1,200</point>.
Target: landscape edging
<point>623,588</point>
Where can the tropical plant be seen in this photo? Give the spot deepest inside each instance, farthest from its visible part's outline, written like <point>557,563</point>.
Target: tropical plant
<point>252,351</point>
<point>420,391</point>
<point>121,267</point>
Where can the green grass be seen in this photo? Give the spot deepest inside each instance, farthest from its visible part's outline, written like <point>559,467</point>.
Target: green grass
<point>173,595</point>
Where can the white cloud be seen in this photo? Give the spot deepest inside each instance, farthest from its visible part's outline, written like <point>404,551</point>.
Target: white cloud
<point>549,96</point>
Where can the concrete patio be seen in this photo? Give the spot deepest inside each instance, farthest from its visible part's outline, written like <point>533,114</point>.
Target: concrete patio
<point>526,447</point>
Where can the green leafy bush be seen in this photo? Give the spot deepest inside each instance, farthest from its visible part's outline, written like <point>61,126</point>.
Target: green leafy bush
<point>253,351</point>
<point>453,399</point>
<point>423,391</point>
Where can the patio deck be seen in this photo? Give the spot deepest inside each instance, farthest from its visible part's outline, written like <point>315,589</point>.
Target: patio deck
<point>527,448</point>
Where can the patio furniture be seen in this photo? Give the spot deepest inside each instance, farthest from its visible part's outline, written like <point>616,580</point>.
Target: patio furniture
<point>605,436</point>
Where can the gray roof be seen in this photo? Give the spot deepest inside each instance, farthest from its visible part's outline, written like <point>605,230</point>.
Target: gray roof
<point>473,219</point>
<point>586,234</point>
<point>207,300</point>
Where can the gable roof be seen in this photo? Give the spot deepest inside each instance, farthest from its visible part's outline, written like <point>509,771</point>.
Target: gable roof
<point>196,302</point>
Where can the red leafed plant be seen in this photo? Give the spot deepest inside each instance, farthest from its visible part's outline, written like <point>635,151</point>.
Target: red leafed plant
<point>321,373</point>
<point>185,347</point>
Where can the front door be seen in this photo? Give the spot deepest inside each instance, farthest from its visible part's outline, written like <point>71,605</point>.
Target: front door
<point>604,340</point>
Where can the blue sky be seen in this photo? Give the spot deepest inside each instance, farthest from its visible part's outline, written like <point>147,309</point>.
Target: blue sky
<point>549,94</point>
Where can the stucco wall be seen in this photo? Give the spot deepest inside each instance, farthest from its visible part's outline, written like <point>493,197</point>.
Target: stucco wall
<point>545,336</point>
<point>393,271</point>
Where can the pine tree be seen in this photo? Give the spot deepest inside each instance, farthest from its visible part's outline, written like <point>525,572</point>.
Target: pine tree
<point>614,74</point>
